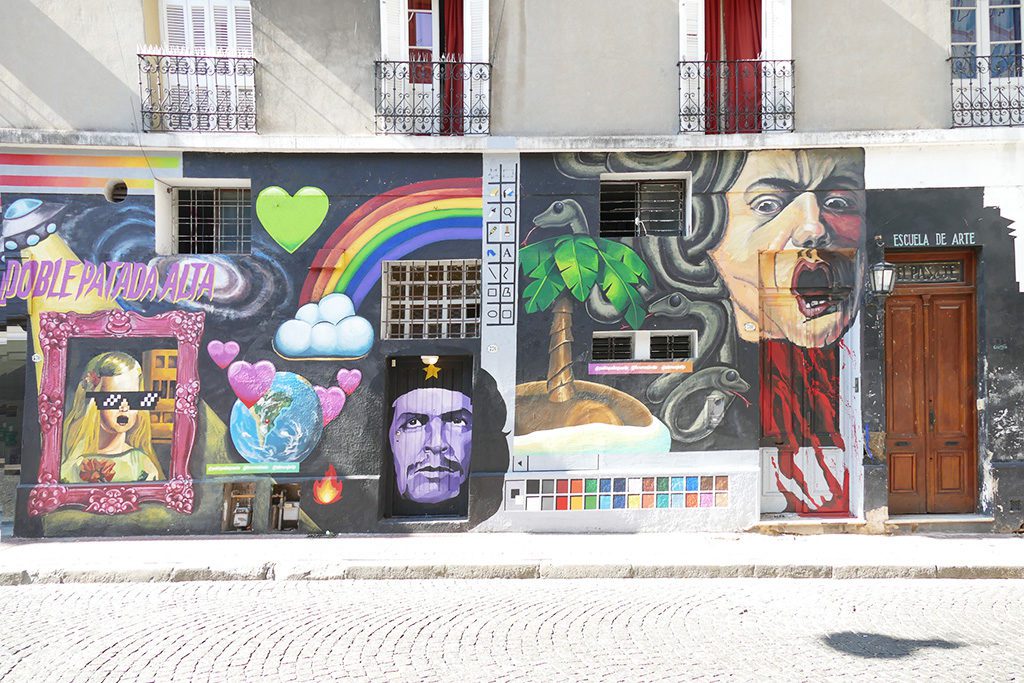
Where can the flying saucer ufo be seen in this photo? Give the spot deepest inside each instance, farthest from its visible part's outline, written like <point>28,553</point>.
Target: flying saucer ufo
<point>27,222</point>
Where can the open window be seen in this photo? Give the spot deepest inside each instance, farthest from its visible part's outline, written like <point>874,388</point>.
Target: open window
<point>736,70</point>
<point>433,77</point>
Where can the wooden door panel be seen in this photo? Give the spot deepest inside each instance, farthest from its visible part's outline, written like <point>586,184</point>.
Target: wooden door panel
<point>951,486</point>
<point>906,417</point>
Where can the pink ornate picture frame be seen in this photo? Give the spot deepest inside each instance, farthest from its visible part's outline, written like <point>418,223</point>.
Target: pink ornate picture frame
<point>176,493</point>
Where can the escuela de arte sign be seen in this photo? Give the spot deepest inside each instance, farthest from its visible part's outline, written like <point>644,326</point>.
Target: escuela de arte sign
<point>66,278</point>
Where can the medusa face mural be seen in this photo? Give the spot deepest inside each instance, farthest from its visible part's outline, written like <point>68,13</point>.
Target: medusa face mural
<point>806,209</point>
<point>774,259</point>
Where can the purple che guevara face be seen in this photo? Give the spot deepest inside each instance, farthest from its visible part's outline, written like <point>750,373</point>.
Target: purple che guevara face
<point>431,439</point>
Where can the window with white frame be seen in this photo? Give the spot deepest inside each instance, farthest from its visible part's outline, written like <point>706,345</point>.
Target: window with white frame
<point>202,76</point>
<point>641,204</point>
<point>988,30</point>
<point>433,76</point>
<point>710,62</point>
<point>431,299</point>
<point>644,345</point>
<point>211,220</point>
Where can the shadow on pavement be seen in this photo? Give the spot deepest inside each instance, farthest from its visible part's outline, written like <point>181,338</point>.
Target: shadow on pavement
<point>878,646</point>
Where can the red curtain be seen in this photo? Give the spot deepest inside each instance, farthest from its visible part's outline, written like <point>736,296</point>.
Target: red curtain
<point>454,69</point>
<point>733,86</point>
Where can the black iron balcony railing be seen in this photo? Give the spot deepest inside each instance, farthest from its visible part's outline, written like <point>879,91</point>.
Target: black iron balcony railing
<point>433,98</point>
<point>737,96</point>
<point>988,91</point>
<point>197,92</point>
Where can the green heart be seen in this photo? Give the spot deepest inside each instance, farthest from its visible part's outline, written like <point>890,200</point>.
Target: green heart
<point>291,220</point>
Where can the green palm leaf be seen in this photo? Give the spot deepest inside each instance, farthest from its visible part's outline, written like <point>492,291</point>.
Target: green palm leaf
<point>577,259</point>
<point>617,282</point>
<point>626,256</point>
<point>544,289</point>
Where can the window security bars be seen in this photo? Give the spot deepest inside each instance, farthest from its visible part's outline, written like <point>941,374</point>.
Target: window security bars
<point>612,347</point>
<point>672,347</point>
<point>433,98</point>
<point>197,93</point>
<point>212,221</point>
<point>431,299</point>
<point>988,90</point>
<point>635,208</point>
<point>736,96</point>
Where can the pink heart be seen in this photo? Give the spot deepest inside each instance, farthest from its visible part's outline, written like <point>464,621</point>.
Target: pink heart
<point>331,402</point>
<point>349,380</point>
<point>250,382</point>
<point>222,353</point>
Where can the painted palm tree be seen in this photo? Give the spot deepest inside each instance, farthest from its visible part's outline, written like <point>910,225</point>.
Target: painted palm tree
<point>568,267</point>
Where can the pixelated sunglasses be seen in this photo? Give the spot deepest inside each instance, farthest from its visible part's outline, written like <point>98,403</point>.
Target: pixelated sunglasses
<point>112,400</point>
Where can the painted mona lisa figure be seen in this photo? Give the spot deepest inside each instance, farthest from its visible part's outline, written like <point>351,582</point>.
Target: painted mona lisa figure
<point>107,436</point>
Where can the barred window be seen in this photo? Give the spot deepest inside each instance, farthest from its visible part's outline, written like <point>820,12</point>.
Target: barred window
<point>634,206</point>
<point>212,221</point>
<point>672,346</point>
<point>612,347</point>
<point>431,299</point>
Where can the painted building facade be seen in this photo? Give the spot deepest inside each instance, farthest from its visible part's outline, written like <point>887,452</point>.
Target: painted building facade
<point>251,318</point>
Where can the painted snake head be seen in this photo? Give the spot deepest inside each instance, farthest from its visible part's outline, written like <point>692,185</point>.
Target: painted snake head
<point>729,379</point>
<point>674,305</point>
<point>565,213</point>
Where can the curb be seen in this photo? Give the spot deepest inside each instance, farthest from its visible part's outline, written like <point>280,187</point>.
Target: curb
<point>530,570</point>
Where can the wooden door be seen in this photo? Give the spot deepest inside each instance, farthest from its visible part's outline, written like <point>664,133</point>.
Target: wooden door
<point>930,378</point>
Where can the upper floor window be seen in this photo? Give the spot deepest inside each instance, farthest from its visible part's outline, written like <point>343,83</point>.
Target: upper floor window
<point>433,77</point>
<point>207,27</point>
<point>202,76</point>
<point>987,64</point>
<point>736,69</point>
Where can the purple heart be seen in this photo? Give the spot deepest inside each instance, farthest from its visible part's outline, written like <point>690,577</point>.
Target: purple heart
<point>331,402</point>
<point>250,382</point>
<point>349,380</point>
<point>222,353</point>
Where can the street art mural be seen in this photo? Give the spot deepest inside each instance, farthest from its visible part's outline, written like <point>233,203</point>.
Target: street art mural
<point>782,227</point>
<point>564,414</point>
<point>143,434</point>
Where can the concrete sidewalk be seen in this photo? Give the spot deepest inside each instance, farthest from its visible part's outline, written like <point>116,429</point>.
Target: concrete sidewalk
<point>497,555</point>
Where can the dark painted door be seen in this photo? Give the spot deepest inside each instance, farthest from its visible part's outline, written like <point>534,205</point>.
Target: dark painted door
<point>930,351</point>
<point>429,435</point>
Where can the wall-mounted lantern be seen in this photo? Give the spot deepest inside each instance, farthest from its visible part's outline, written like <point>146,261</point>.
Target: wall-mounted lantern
<point>882,275</point>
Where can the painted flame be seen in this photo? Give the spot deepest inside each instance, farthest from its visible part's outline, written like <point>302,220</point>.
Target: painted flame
<point>328,489</point>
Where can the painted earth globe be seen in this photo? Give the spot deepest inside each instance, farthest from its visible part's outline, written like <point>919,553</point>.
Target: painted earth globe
<point>285,425</point>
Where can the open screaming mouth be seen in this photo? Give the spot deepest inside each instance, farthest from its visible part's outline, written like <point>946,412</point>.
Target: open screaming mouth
<point>814,286</point>
<point>122,420</point>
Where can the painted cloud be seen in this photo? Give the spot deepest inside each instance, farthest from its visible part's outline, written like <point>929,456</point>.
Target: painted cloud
<point>325,329</point>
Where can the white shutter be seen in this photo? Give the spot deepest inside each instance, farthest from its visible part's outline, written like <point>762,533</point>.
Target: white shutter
<point>394,30</point>
<point>776,29</point>
<point>221,29</point>
<point>174,34</point>
<point>777,44</point>
<point>475,18</point>
<point>691,75</point>
<point>243,27</point>
<point>197,27</point>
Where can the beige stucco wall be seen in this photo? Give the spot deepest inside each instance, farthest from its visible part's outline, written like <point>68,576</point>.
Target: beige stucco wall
<point>584,67</point>
<point>316,65</point>
<point>871,64</point>
<point>69,65</point>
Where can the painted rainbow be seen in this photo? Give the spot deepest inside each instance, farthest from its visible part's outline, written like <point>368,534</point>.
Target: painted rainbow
<point>391,226</point>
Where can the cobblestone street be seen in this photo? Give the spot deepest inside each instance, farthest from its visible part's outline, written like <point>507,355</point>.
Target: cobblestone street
<point>739,629</point>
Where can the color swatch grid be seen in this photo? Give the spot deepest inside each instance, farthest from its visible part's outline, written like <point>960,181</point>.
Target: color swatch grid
<point>619,493</point>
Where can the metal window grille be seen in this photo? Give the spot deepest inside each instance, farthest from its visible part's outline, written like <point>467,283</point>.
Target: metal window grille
<point>431,299</point>
<point>634,208</point>
<point>213,221</point>
<point>671,346</point>
<point>612,347</point>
